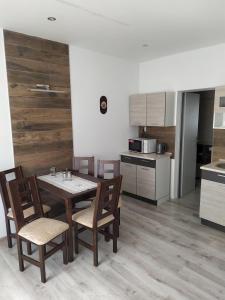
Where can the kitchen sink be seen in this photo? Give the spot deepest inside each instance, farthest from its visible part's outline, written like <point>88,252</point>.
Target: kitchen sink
<point>221,165</point>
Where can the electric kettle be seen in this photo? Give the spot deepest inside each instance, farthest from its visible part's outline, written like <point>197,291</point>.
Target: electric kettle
<point>161,148</point>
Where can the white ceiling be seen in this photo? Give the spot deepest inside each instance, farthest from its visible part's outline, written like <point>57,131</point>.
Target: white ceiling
<point>121,27</point>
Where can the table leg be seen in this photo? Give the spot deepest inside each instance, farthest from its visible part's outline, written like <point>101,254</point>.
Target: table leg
<point>68,206</point>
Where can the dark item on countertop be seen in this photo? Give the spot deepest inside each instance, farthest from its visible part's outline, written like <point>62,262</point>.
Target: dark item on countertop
<point>161,148</point>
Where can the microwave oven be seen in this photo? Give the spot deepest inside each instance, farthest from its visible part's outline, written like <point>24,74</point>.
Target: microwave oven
<point>142,145</point>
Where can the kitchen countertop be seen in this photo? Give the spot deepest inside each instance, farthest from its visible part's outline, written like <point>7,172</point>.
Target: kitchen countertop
<point>150,156</point>
<point>213,166</point>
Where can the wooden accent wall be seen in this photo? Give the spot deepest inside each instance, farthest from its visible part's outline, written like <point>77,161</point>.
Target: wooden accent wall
<point>162,134</point>
<point>41,122</point>
<point>218,144</point>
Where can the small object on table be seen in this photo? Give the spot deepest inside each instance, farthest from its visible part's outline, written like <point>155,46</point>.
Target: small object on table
<point>67,175</point>
<point>53,171</point>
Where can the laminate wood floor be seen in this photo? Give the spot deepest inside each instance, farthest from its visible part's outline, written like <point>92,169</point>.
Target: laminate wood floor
<point>163,253</point>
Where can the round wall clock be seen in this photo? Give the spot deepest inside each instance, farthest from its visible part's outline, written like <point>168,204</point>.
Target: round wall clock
<point>103,104</point>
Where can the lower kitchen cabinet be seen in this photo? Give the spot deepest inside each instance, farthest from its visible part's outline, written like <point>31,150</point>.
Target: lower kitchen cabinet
<point>212,200</point>
<point>146,179</point>
<point>129,172</point>
<point>146,182</point>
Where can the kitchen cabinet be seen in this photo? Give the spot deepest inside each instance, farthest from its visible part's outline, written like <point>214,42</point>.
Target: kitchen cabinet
<point>212,200</point>
<point>160,109</point>
<point>155,109</point>
<point>219,107</point>
<point>129,172</point>
<point>138,110</point>
<point>146,182</point>
<point>219,101</point>
<point>146,179</point>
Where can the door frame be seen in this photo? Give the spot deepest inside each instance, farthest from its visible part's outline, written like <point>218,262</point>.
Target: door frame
<point>178,122</point>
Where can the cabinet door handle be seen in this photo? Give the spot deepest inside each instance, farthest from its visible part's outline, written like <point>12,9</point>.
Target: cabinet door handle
<point>146,169</point>
<point>127,157</point>
<point>144,160</point>
<point>221,175</point>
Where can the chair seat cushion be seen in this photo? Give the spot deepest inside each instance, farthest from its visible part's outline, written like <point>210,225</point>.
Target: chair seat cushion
<point>43,230</point>
<point>30,211</point>
<point>85,217</point>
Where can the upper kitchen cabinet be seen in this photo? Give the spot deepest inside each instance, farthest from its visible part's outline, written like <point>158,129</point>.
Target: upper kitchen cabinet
<point>160,109</point>
<point>138,110</point>
<point>156,109</point>
<point>219,107</point>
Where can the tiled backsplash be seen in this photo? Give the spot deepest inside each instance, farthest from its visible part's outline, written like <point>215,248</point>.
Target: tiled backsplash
<point>162,134</point>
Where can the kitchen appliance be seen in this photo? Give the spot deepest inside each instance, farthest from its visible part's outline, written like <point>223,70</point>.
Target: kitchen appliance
<point>161,148</point>
<point>142,145</point>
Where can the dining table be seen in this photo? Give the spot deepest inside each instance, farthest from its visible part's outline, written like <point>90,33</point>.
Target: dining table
<point>81,187</point>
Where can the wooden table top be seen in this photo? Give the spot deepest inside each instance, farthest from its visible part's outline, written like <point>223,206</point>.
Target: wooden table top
<point>61,193</point>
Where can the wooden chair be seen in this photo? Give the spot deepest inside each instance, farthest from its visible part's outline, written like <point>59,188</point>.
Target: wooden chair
<point>113,170</point>
<point>78,165</point>
<point>109,168</point>
<point>28,210</point>
<point>96,218</point>
<point>85,165</point>
<point>39,231</point>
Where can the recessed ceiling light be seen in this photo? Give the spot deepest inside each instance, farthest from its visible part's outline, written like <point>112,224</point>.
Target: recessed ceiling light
<point>51,18</point>
<point>145,45</point>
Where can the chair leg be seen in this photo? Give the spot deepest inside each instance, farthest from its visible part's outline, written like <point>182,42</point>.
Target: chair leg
<point>65,248</point>
<point>42,263</point>
<point>107,231</point>
<point>115,234</point>
<point>29,248</point>
<point>118,231</point>
<point>76,238</point>
<point>8,231</point>
<point>118,215</point>
<point>95,247</point>
<point>20,253</point>
<point>118,222</point>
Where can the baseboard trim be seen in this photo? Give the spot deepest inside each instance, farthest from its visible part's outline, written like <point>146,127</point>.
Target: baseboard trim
<point>3,238</point>
<point>150,201</point>
<point>213,225</point>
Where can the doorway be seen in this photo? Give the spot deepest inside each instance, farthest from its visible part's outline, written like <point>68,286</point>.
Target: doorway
<point>196,138</point>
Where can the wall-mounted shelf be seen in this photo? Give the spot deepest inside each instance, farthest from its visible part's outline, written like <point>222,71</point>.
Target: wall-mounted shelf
<point>47,91</point>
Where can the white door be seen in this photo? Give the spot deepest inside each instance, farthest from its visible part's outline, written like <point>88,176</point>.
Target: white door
<point>189,135</point>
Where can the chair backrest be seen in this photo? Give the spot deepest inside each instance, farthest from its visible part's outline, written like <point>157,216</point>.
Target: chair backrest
<point>14,173</point>
<point>107,197</point>
<point>106,168</point>
<point>79,166</point>
<point>17,193</point>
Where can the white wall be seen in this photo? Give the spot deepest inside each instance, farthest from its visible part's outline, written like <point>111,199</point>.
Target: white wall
<point>94,75</point>
<point>6,146</point>
<point>197,69</point>
<point>202,68</point>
